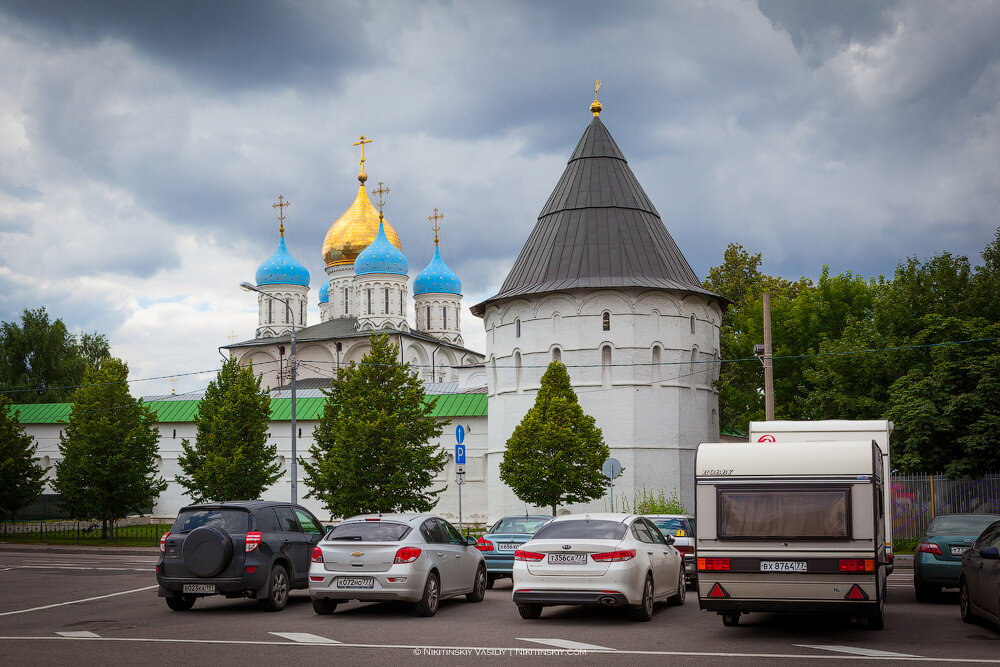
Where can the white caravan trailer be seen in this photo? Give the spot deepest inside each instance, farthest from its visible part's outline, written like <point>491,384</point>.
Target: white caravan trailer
<point>828,430</point>
<point>790,527</point>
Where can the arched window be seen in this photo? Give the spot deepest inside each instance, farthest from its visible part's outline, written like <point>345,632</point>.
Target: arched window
<point>555,324</point>
<point>517,369</point>
<point>346,301</point>
<point>369,300</point>
<point>692,324</point>
<point>606,321</point>
<point>656,320</point>
<point>655,370</point>
<point>269,313</point>
<point>402,308</point>
<point>386,300</point>
<point>517,328</point>
<point>556,354</point>
<point>693,372</point>
<point>428,318</point>
<point>606,366</point>
<point>493,365</point>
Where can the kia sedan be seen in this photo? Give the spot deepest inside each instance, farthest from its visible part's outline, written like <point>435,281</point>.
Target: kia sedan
<point>979,581</point>
<point>415,558</point>
<point>610,560</point>
<point>502,539</point>
<point>937,560</point>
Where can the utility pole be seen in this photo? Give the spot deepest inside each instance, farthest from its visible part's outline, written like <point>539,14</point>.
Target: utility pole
<point>768,361</point>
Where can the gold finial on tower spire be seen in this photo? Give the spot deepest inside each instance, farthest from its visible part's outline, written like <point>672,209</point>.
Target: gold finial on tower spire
<point>596,106</point>
<point>173,386</point>
<point>362,176</point>
<point>381,191</point>
<point>434,224</point>
<point>281,212</point>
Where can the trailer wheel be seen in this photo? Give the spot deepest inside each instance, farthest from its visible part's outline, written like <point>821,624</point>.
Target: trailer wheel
<point>731,620</point>
<point>876,621</point>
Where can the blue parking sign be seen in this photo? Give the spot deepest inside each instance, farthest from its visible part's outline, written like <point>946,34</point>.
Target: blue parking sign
<point>460,454</point>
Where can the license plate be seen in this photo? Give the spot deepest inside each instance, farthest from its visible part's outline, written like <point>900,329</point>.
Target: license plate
<point>356,582</point>
<point>782,566</point>
<point>507,546</point>
<point>199,588</point>
<point>958,551</point>
<point>567,559</point>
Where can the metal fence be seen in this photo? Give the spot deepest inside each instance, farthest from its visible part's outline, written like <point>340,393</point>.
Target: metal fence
<point>916,499</point>
<point>120,533</point>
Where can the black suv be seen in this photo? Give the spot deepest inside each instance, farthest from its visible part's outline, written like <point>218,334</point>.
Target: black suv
<point>256,548</point>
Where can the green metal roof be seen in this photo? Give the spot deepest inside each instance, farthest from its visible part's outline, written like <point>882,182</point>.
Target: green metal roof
<point>306,409</point>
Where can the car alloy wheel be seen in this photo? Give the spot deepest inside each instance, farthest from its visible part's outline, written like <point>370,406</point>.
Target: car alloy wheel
<point>529,611</point>
<point>277,592</point>
<point>964,603</point>
<point>478,586</point>
<point>678,598</point>
<point>324,606</point>
<point>644,611</point>
<point>428,604</point>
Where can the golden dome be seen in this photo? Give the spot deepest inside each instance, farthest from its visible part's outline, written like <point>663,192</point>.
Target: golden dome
<point>354,231</point>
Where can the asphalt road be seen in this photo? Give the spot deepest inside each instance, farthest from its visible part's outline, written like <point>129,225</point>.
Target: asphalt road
<point>101,608</point>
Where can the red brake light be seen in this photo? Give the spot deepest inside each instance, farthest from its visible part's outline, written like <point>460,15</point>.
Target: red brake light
<point>163,541</point>
<point>484,545</point>
<point>713,564</point>
<point>684,549</point>
<point>614,556</point>
<point>929,548</point>
<point>856,565</point>
<point>527,555</point>
<point>373,519</point>
<point>317,555</point>
<point>407,555</point>
<point>253,540</point>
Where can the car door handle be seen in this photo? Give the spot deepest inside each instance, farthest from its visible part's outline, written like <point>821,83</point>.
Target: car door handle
<point>286,541</point>
<point>440,554</point>
<point>458,555</point>
<point>650,553</point>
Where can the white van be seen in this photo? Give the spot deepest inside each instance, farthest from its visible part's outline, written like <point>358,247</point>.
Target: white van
<point>790,527</point>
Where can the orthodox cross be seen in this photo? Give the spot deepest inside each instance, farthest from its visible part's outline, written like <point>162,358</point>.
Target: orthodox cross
<point>232,336</point>
<point>434,224</point>
<point>597,86</point>
<point>173,386</point>
<point>381,191</point>
<point>361,142</point>
<point>281,211</point>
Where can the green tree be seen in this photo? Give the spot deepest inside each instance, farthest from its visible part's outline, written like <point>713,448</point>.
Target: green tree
<point>230,459</point>
<point>371,450</point>
<point>108,470</point>
<point>41,362</point>
<point>21,478</point>
<point>555,454</point>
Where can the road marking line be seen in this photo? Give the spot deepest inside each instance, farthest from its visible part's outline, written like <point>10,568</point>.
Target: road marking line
<point>857,650</point>
<point>78,567</point>
<point>62,604</point>
<point>305,637</point>
<point>565,643</point>
<point>78,634</point>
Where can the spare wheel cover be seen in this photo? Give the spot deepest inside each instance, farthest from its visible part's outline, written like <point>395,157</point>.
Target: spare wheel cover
<point>206,551</point>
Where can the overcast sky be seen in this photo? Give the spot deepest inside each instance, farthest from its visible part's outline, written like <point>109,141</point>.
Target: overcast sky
<point>143,143</point>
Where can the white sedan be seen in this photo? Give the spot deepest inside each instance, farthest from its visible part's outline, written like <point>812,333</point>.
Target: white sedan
<point>612,560</point>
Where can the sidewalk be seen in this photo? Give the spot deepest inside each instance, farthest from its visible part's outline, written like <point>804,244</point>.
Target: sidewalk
<point>77,549</point>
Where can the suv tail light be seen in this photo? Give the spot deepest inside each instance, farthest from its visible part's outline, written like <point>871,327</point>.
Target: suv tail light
<point>856,565</point>
<point>684,549</point>
<point>929,548</point>
<point>407,555</point>
<point>713,564</point>
<point>484,545</point>
<point>163,542</point>
<point>527,555</point>
<point>614,556</point>
<point>317,555</point>
<point>253,540</point>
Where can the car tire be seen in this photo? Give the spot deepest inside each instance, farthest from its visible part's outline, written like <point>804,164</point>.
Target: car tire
<point>926,592</point>
<point>677,598</point>
<point>490,580</point>
<point>428,604</point>
<point>965,602</point>
<point>644,612</point>
<point>731,620</point>
<point>478,586</point>
<point>529,611</point>
<point>324,606</point>
<point>181,602</point>
<point>277,589</point>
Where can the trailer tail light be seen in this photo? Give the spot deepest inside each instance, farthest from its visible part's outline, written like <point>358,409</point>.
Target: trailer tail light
<point>855,593</point>
<point>929,548</point>
<point>484,545</point>
<point>718,592</point>
<point>317,555</point>
<point>406,555</point>
<point>713,564</point>
<point>253,540</point>
<point>528,556</point>
<point>856,565</point>
<point>163,542</point>
<point>614,556</point>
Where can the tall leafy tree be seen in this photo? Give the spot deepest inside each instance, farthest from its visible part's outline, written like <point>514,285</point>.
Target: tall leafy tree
<point>555,454</point>
<point>21,477</point>
<point>230,459</point>
<point>109,449</point>
<point>371,448</point>
<point>41,362</point>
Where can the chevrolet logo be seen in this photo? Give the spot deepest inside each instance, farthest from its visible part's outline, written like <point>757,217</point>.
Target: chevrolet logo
<point>358,554</point>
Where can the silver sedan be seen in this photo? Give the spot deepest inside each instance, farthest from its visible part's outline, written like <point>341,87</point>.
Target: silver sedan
<point>417,558</point>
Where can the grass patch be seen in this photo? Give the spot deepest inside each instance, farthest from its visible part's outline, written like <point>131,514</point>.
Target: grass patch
<point>904,546</point>
<point>83,533</point>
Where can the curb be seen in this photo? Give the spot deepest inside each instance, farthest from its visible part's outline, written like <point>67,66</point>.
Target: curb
<point>76,549</point>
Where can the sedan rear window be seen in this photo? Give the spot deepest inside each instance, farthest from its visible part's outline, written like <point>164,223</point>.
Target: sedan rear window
<point>523,525</point>
<point>232,521</point>
<point>960,524</point>
<point>582,528</point>
<point>369,531</point>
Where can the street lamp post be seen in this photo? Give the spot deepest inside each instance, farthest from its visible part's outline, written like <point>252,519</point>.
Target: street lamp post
<point>250,287</point>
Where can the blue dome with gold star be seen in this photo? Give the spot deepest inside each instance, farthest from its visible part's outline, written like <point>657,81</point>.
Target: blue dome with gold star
<point>381,257</point>
<point>282,269</point>
<point>437,277</point>
<point>324,292</point>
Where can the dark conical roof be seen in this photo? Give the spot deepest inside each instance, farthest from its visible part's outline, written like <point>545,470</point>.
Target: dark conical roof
<point>598,229</point>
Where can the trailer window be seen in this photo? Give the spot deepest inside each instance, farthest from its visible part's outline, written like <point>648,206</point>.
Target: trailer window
<point>787,512</point>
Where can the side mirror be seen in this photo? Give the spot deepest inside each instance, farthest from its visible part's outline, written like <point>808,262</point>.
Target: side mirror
<point>470,540</point>
<point>990,553</point>
<point>670,539</point>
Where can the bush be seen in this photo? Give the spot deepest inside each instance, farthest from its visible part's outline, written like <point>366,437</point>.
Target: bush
<point>644,502</point>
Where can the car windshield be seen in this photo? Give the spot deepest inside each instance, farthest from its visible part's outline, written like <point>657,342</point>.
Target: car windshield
<point>960,524</point>
<point>369,531</point>
<point>675,527</point>
<point>521,524</point>
<point>232,521</point>
<point>595,529</point>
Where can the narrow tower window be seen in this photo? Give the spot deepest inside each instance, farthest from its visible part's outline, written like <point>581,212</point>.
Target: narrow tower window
<point>655,375</point>
<point>556,354</point>
<point>402,309</point>
<point>269,315</point>
<point>369,300</point>
<point>386,300</point>
<point>606,366</point>
<point>517,369</point>
<point>444,317</point>
<point>346,301</point>
<point>302,312</point>
<point>692,324</point>
<point>606,321</point>
<point>428,317</point>
<point>517,328</point>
